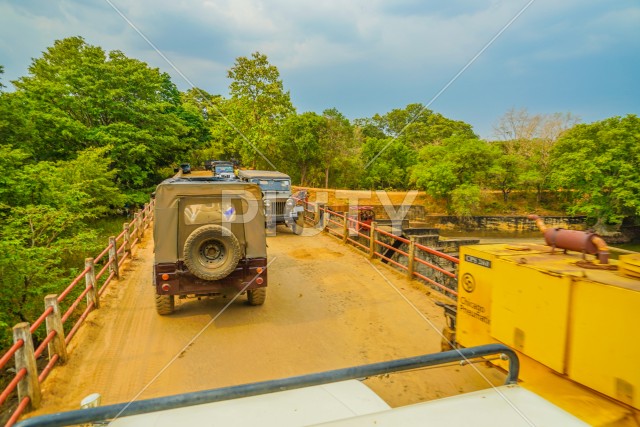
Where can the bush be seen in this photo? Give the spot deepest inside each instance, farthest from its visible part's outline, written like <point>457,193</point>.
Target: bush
<point>465,199</point>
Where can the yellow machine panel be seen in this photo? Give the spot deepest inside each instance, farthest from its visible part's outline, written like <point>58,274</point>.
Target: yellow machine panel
<point>530,311</point>
<point>605,339</point>
<point>578,318</point>
<point>630,266</point>
<point>476,278</point>
<point>474,297</point>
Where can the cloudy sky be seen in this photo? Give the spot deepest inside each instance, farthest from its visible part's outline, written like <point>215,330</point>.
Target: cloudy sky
<point>368,56</point>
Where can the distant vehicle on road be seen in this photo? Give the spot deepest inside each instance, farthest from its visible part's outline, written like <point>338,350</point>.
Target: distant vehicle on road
<point>221,168</point>
<point>276,189</point>
<point>224,170</point>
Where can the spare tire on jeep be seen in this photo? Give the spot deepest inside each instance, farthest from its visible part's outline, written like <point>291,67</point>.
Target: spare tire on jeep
<point>212,252</point>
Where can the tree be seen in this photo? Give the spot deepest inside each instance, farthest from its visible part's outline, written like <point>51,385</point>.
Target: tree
<point>389,161</point>
<point>337,142</point>
<point>393,140</point>
<point>505,173</point>
<point>598,164</point>
<point>456,161</point>
<point>531,138</point>
<point>300,143</point>
<point>78,96</point>
<point>11,161</point>
<point>260,107</point>
<point>419,126</point>
<point>47,224</point>
<point>224,141</point>
<point>465,199</point>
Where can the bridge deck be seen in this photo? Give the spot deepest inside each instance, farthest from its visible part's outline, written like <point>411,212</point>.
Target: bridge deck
<point>327,307</point>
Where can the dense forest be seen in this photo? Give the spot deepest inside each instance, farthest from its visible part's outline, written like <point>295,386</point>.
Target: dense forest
<point>87,134</point>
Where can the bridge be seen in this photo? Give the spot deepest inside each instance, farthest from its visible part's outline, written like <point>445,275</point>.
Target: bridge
<point>339,295</point>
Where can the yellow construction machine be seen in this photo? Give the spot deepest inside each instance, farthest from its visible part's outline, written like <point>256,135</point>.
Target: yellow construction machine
<point>571,314</point>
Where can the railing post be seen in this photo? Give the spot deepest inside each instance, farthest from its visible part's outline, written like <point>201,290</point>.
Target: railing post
<point>113,257</point>
<point>145,216</point>
<point>139,225</point>
<point>373,236</point>
<point>345,227</point>
<point>25,358</point>
<point>90,282</point>
<point>411,257</point>
<point>320,217</point>
<point>127,238</point>
<point>54,323</point>
<point>152,205</point>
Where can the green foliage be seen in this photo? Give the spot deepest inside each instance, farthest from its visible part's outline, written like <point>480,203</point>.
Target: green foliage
<point>217,133</point>
<point>599,164</point>
<point>78,96</point>
<point>300,144</point>
<point>389,161</point>
<point>339,149</point>
<point>84,185</point>
<point>17,129</point>
<point>36,243</point>
<point>393,140</point>
<point>47,211</point>
<point>465,200</point>
<point>505,173</point>
<point>259,107</point>
<point>11,161</point>
<point>419,126</point>
<point>456,161</point>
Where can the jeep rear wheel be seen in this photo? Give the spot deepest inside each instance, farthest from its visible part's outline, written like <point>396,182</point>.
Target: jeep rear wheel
<point>212,252</point>
<point>257,296</point>
<point>164,304</point>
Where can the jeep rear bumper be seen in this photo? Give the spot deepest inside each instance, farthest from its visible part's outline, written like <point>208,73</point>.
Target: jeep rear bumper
<point>176,279</point>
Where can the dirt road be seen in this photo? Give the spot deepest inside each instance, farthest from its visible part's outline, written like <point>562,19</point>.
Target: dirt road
<point>327,307</point>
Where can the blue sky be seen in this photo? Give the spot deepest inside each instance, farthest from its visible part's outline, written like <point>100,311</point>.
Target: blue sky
<point>368,56</point>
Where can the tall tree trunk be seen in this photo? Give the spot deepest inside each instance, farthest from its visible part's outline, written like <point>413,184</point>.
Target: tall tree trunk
<point>539,194</point>
<point>326,177</point>
<point>303,174</point>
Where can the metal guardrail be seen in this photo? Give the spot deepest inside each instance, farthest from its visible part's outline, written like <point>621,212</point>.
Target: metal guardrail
<point>105,413</point>
<point>27,379</point>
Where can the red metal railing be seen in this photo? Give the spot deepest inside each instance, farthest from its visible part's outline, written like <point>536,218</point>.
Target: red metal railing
<point>124,242</point>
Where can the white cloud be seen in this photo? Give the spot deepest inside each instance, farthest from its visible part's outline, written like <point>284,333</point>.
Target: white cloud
<point>356,54</point>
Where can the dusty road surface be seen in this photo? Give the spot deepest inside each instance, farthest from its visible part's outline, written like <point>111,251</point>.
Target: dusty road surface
<point>327,307</point>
